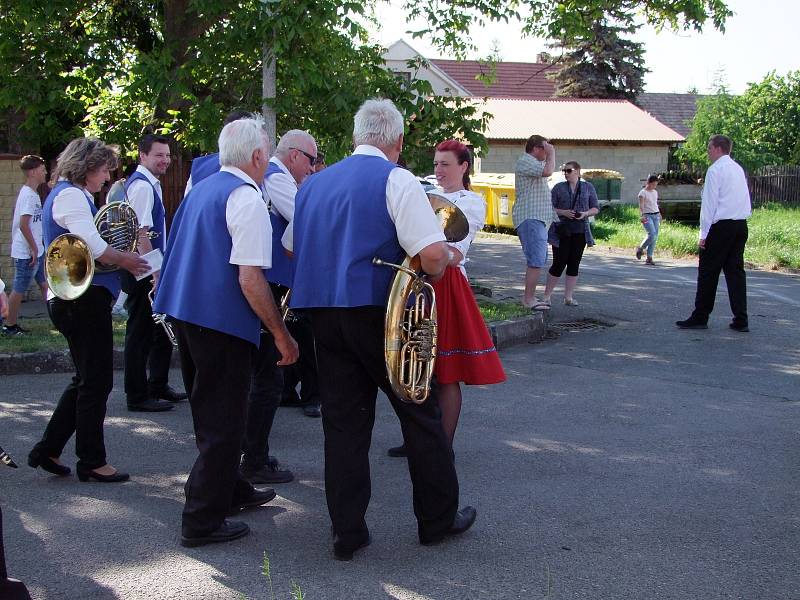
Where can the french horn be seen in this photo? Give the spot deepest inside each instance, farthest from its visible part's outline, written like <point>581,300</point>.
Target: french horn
<point>410,326</point>
<point>69,266</point>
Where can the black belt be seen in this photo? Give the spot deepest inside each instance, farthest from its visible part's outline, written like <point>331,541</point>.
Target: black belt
<point>655,213</point>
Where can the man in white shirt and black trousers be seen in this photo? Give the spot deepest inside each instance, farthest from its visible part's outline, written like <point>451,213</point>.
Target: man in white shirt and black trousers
<point>146,344</point>
<point>359,208</point>
<point>213,286</point>
<point>724,211</point>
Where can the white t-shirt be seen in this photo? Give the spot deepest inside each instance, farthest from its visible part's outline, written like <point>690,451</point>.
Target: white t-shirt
<point>474,208</point>
<point>649,201</point>
<point>28,203</point>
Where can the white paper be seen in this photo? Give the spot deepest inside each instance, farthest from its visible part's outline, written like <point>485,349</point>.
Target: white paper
<point>154,259</point>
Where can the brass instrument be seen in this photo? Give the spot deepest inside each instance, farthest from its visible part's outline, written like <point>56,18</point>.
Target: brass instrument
<point>410,328</point>
<point>69,266</point>
<point>161,319</point>
<point>286,313</point>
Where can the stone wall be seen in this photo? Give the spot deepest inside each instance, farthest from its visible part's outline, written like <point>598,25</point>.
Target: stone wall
<point>11,180</point>
<point>635,162</point>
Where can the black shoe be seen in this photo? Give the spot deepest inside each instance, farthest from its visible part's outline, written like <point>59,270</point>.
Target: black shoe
<point>269,473</point>
<point>739,327</point>
<point>463,521</point>
<point>345,552</point>
<point>227,532</point>
<point>169,394</point>
<point>691,323</point>
<point>87,474</point>
<point>14,330</point>
<point>37,459</point>
<point>152,405</point>
<point>259,498</point>
<point>397,451</point>
<point>312,410</point>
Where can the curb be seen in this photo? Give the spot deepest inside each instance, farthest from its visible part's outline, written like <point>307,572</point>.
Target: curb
<point>520,330</point>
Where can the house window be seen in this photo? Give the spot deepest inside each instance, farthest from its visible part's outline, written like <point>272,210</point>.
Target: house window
<point>404,75</point>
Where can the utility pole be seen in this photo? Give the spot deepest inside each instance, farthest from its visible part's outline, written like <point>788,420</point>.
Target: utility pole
<point>268,78</point>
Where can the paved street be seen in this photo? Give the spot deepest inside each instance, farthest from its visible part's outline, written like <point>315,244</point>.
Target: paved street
<point>630,460</point>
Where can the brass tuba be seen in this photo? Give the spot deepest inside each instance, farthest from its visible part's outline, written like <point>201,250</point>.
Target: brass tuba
<point>69,266</point>
<point>410,328</point>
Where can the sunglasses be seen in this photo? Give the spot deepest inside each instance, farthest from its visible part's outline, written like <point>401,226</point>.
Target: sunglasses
<point>567,171</point>
<point>311,159</point>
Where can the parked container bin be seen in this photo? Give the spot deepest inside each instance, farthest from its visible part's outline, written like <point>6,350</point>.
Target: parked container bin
<point>606,182</point>
<point>499,194</point>
<point>483,190</point>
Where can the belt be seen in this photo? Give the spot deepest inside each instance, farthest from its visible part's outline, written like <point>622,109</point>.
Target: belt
<point>653,213</point>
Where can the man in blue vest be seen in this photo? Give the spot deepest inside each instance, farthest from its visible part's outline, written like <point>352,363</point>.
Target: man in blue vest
<point>360,208</point>
<point>146,344</point>
<point>213,286</point>
<point>294,158</point>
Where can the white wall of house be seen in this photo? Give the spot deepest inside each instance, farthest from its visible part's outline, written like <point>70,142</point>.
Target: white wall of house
<point>396,60</point>
<point>635,162</point>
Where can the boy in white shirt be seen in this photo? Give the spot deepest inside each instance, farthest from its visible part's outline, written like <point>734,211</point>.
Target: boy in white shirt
<point>27,242</point>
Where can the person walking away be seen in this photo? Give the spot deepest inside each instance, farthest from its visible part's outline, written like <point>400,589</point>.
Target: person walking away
<point>724,210</point>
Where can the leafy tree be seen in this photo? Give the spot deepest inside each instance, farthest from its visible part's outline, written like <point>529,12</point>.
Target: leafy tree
<point>600,64</point>
<point>763,123</point>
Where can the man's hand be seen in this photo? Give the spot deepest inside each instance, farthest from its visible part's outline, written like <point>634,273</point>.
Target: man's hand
<point>548,148</point>
<point>34,260</point>
<point>702,244</point>
<point>133,263</point>
<point>3,305</point>
<point>289,350</point>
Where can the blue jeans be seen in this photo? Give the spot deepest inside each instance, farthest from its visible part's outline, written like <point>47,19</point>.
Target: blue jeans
<point>651,227</point>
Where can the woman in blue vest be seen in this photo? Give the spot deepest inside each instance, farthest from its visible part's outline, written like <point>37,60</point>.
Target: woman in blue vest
<point>83,168</point>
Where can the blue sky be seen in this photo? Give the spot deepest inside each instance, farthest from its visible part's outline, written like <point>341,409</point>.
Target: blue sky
<point>761,36</point>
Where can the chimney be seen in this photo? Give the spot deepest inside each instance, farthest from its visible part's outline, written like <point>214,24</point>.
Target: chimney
<point>544,57</point>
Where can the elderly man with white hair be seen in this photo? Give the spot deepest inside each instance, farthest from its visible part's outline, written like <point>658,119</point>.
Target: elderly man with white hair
<point>359,208</point>
<point>213,287</point>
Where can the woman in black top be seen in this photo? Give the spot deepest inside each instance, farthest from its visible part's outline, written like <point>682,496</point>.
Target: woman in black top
<point>575,201</point>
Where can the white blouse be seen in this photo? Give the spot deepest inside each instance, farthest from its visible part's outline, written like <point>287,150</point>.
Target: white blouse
<point>474,208</point>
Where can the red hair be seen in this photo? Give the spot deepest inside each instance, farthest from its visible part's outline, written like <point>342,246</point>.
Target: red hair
<point>462,154</point>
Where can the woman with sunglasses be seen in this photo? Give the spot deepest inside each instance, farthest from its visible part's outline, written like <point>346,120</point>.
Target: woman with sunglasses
<point>465,352</point>
<point>575,201</point>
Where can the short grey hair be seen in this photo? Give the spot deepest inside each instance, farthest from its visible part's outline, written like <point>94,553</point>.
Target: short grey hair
<point>377,123</point>
<point>290,140</point>
<point>239,139</point>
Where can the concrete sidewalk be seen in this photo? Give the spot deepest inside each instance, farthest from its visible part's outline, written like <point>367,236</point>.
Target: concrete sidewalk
<point>623,458</point>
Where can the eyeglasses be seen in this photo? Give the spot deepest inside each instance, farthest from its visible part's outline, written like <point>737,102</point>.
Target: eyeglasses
<point>311,159</point>
<point>567,171</point>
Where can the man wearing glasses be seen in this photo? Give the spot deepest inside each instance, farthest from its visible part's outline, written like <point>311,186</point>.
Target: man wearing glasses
<point>533,211</point>
<point>293,161</point>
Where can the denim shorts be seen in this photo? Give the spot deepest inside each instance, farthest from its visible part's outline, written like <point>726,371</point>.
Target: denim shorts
<point>24,274</point>
<point>533,237</point>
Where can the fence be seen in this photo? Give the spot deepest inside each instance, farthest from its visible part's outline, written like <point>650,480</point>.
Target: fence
<point>775,184</point>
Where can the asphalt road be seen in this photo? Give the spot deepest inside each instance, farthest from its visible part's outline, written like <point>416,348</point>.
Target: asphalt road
<point>626,459</point>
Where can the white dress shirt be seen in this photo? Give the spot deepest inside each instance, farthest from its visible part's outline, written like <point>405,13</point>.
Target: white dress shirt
<point>408,207</point>
<point>474,208</point>
<point>725,194</point>
<point>281,188</point>
<point>141,197</point>
<point>248,224</point>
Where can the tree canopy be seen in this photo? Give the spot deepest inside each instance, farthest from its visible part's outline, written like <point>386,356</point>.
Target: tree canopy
<point>763,123</point>
<point>110,67</point>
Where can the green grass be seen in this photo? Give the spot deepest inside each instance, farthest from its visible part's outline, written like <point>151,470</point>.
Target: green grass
<point>44,337</point>
<point>501,311</point>
<point>774,240</point>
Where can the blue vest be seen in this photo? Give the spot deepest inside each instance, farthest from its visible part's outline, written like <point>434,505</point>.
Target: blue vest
<point>52,230</point>
<point>203,166</point>
<point>157,213</point>
<point>282,270</point>
<point>198,284</point>
<point>340,224</point>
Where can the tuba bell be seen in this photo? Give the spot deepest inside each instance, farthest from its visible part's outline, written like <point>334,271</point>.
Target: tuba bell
<point>69,266</point>
<point>410,327</point>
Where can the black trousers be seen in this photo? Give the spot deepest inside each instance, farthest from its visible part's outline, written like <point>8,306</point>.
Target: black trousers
<point>304,371</point>
<point>146,344</point>
<point>86,323</point>
<point>350,345</point>
<point>724,252</point>
<point>568,253</point>
<point>216,369</point>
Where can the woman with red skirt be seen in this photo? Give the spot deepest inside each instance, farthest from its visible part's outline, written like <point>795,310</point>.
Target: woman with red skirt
<point>465,352</point>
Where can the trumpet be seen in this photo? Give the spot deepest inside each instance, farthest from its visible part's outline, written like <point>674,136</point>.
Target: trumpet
<point>161,319</point>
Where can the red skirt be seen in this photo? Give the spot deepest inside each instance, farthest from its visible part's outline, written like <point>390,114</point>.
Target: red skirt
<point>465,352</point>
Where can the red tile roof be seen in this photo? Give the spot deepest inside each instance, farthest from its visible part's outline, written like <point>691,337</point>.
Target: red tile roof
<point>512,79</point>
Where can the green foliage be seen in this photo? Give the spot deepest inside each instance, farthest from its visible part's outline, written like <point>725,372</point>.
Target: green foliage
<point>764,123</point>
<point>43,337</point>
<point>600,64</point>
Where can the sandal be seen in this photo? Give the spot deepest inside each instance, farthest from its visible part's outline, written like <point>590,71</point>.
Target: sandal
<point>570,302</point>
<point>541,305</point>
